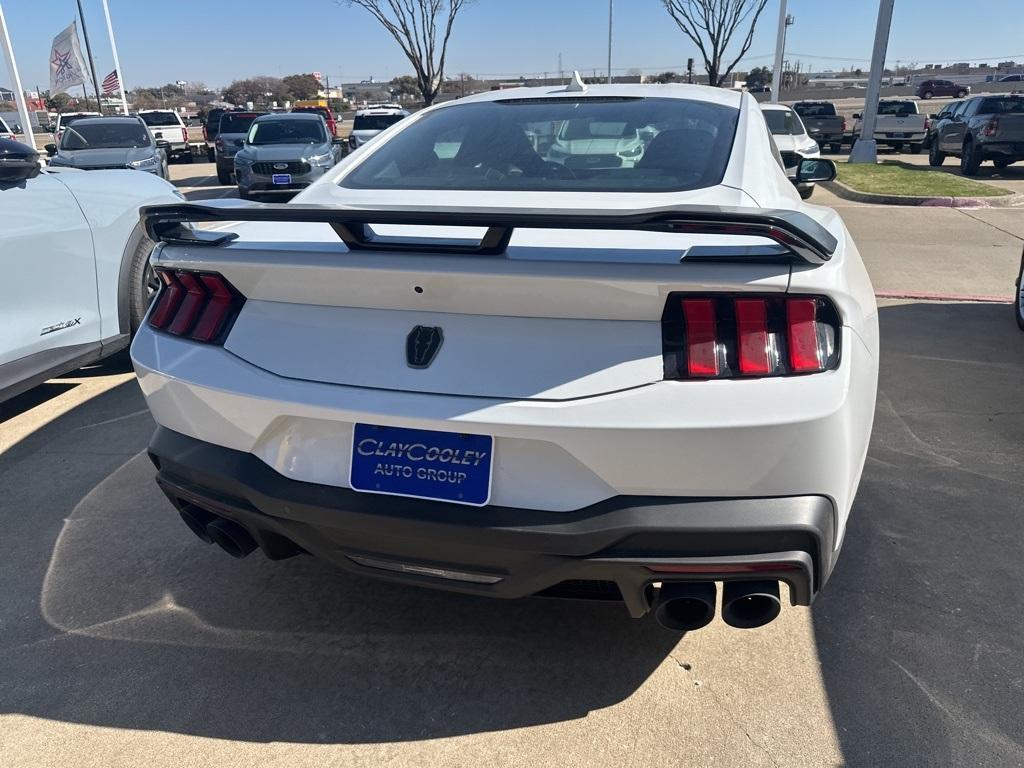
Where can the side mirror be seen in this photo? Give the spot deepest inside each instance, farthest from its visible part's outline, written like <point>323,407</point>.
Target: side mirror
<point>813,170</point>
<point>18,163</point>
<point>857,115</point>
<point>51,150</point>
<point>163,144</point>
<point>935,116</point>
<point>337,140</point>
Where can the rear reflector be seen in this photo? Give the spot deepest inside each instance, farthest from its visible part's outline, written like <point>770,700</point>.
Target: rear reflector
<point>198,305</point>
<point>711,568</point>
<point>723,336</point>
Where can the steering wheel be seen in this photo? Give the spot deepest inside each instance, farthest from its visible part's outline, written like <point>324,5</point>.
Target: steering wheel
<point>557,169</point>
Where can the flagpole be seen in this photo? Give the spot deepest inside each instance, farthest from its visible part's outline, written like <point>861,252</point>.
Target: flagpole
<point>92,64</point>
<point>19,94</point>
<point>117,62</point>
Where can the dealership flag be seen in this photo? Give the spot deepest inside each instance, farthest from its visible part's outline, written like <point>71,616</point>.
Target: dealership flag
<point>111,84</point>
<point>67,68</point>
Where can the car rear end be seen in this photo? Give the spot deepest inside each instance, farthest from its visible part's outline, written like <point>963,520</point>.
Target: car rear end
<point>369,123</point>
<point>899,123</point>
<point>1000,129</point>
<point>521,392</point>
<point>167,126</point>
<point>823,123</point>
<point>231,132</point>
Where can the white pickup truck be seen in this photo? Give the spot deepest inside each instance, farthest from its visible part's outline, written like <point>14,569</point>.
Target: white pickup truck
<point>898,123</point>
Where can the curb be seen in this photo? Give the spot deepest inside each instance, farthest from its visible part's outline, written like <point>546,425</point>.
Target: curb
<point>927,296</point>
<point>846,193</point>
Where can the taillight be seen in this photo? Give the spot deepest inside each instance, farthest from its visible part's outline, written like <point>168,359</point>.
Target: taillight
<point>927,124</point>
<point>198,305</point>
<point>844,125</point>
<point>184,135</point>
<point>991,127</point>
<point>219,144</point>
<point>206,135</point>
<point>739,336</point>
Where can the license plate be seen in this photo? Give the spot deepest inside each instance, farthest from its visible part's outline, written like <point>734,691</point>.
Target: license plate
<point>422,464</point>
<point>899,135</point>
<point>281,178</point>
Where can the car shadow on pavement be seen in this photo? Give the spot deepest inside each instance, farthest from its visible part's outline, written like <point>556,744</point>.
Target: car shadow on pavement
<point>920,632</point>
<point>115,615</point>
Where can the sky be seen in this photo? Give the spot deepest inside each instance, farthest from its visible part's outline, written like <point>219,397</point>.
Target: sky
<point>217,41</point>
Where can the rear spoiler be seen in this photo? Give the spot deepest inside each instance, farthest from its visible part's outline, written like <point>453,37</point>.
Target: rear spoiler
<point>793,233</point>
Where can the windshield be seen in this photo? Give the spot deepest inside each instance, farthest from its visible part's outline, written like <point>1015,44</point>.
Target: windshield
<point>374,122</point>
<point>237,123</point>
<point>815,110</point>
<point>287,132</point>
<point>105,135</point>
<point>156,119</point>
<point>782,122</point>
<point>1007,105</point>
<point>599,145</point>
<point>898,108</point>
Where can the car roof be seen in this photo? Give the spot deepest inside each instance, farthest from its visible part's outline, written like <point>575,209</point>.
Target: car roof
<point>275,116</point>
<point>109,119</point>
<point>724,96</point>
<point>150,111</point>
<point>775,108</point>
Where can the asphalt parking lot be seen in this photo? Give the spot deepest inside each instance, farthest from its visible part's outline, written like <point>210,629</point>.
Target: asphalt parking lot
<point>126,640</point>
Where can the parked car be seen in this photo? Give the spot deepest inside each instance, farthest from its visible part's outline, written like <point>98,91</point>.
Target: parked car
<point>369,122</point>
<point>898,124</point>
<point>823,123</point>
<point>928,89</point>
<point>981,128</point>
<point>167,125</point>
<point>231,133</point>
<point>63,121</point>
<point>75,282</point>
<point>284,153</point>
<point>325,113</point>
<point>1011,79</point>
<point>586,144</point>
<point>793,142</point>
<point>511,377</point>
<point>211,128</point>
<point>936,119</point>
<point>106,143</point>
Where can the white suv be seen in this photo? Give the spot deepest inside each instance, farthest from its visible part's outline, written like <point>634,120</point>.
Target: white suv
<point>453,362</point>
<point>372,121</point>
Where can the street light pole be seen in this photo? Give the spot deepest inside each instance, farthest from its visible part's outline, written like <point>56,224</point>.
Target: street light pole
<point>117,62</point>
<point>780,46</point>
<point>610,41</point>
<point>865,150</point>
<point>19,94</point>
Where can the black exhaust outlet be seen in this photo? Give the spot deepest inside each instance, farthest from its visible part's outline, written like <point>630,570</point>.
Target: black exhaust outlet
<point>197,519</point>
<point>686,606</point>
<point>231,537</point>
<point>749,604</point>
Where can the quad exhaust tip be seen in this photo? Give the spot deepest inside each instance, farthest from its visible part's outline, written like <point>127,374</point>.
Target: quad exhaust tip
<point>750,604</point>
<point>684,607</point>
<point>231,537</point>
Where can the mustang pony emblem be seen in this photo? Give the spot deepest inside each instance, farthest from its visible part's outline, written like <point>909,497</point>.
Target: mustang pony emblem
<point>422,344</point>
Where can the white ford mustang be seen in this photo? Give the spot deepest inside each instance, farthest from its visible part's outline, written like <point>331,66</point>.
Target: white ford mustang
<point>454,362</point>
<point>75,268</point>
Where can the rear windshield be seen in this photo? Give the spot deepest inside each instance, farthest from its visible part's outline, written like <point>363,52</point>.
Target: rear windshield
<point>375,122</point>
<point>66,120</point>
<point>105,135</point>
<point>898,108</point>
<point>159,118</point>
<point>237,123</point>
<point>815,110</point>
<point>782,122</point>
<point>1006,105</point>
<point>598,145</point>
<point>287,132</point>
<point>314,110</point>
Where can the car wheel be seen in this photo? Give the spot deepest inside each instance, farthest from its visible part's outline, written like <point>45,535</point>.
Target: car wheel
<point>897,147</point>
<point>1018,305</point>
<point>835,148</point>
<point>187,157</point>
<point>143,283</point>
<point>970,159</point>
<point>926,95</point>
<point>935,157</point>
<point>961,94</point>
<point>915,149</point>
<point>1001,163</point>
<point>211,156</point>
<point>805,194</point>
<point>223,177</point>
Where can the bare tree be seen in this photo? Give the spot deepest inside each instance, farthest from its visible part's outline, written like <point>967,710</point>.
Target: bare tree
<point>711,24</point>
<point>422,29</point>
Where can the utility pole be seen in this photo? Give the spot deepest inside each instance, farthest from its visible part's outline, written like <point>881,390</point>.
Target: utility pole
<point>780,47</point>
<point>561,72</point>
<point>117,62</point>
<point>610,41</point>
<point>92,64</point>
<point>865,150</point>
<point>19,94</point>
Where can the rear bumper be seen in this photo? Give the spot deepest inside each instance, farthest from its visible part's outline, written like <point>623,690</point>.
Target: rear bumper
<point>1008,149</point>
<point>910,137</point>
<point>630,542</point>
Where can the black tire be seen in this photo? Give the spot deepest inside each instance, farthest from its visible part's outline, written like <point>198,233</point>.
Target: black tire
<point>897,146</point>
<point>915,149</point>
<point>1001,162</point>
<point>211,156</point>
<point>970,159</point>
<point>1018,305</point>
<point>927,95</point>
<point>187,157</point>
<point>960,94</point>
<point>223,177</point>
<point>935,157</point>
<point>835,148</point>
<point>142,282</point>
<point>805,194</point>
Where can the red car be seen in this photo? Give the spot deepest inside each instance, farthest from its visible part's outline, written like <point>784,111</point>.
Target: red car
<point>326,114</point>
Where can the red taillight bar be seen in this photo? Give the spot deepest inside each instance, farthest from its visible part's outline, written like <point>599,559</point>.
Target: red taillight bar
<point>701,337</point>
<point>196,305</point>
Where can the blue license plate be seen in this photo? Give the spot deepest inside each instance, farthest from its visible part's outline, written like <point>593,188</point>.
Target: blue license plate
<point>423,464</point>
<point>899,135</point>
<point>281,178</point>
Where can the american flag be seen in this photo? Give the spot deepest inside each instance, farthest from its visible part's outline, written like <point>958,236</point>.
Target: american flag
<point>111,84</point>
